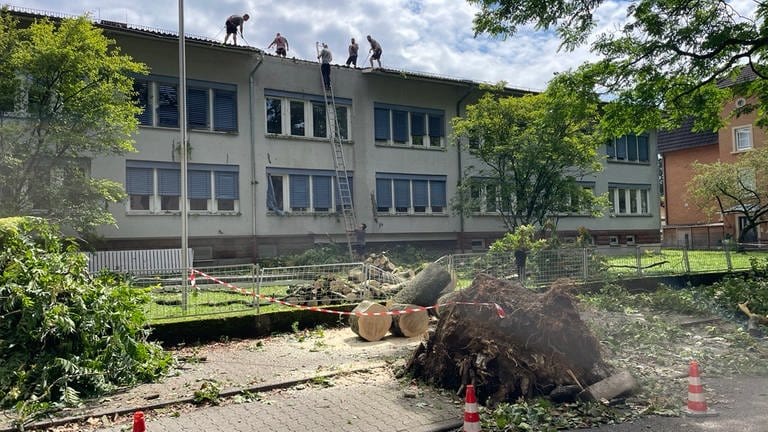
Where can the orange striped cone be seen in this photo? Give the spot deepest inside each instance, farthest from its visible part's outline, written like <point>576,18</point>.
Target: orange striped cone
<point>471,416</point>
<point>697,403</point>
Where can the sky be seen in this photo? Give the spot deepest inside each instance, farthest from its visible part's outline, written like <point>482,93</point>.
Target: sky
<point>433,36</point>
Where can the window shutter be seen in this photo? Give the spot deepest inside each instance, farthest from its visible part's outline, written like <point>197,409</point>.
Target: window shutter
<point>169,182</point>
<point>168,106</point>
<point>321,191</point>
<point>224,111</point>
<point>226,185</point>
<point>299,191</point>
<point>142,100</point>
<point>383,193</point>
<point>400,126</point>
<point>197,108</point>
<point>420,198</point>
<point>417,124</point>
<point>436,126</point>
<point>402,193</point>
<point>437,193</point>
<point>381,120</point>
<point>199,186</point>
<point>621,148</point>
<point>642,148</point>
<point>632,147</point>
<point>138,181</point>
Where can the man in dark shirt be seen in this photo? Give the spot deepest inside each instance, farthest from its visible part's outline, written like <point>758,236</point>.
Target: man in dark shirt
<point>233,23</point>
<point>360,240</point>
<point>352,59</point>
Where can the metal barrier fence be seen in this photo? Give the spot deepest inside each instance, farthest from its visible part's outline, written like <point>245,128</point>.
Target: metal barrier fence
<point>598,264</point>
<point>241,288</point>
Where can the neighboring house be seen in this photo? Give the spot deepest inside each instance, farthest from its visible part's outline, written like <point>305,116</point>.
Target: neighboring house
<point>261,167</point>
<point>686,224</point>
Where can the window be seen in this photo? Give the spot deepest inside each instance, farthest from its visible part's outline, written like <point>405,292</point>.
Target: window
<point>410,194</point>
<point>631,240</point>
<point>486,197</point>
<point>155,187</point>
<point>304,191</point>
<point>628,148</point>
<point>201,114</point>
<point>742,138</point>
<point>408,126</point>
<point>613,240</point>
<point>307,115</point>
<point>478,244</point>
<point>628,199</point>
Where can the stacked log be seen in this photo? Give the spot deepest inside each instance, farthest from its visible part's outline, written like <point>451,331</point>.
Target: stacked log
<point>368,327</point>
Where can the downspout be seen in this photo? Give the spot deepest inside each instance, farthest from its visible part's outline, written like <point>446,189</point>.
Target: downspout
<point>458,152</point>
<point>252,132</point>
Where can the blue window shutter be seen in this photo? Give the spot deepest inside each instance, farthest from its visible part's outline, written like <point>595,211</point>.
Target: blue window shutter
<point>381,120</point>
<point>621,148</point>
<point>417,124</point>
<point>225,111</point>
<point>402,193</point>
<point>169,182</point>
<point>197,108</point>
<point>436,126</point>
<point>631,147</point>
<point>642,148</point>
<point>138,181</point>
<point>420,193</point>
<point>226,185</point>
<point>321,192</point>
<point>437,192</point>
<point>168,106</point>
<point>299,191</point>
<point>199,185</point>
<point>383,193</point>
<point>142,89</point>
<point>400,126</point>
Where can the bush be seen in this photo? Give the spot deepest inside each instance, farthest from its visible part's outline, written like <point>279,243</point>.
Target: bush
<point>65,334</point>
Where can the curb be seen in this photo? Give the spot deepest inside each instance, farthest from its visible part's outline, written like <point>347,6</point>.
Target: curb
<point>223,394</point>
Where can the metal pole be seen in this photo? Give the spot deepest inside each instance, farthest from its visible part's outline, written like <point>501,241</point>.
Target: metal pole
<point>182,98</point>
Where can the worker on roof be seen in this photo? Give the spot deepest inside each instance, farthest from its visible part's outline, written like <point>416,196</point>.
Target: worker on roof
<point>375,50</point>
<point>352,59</point>
<point>233,23</point>
<point>281,45</point>
<point>325,58</point>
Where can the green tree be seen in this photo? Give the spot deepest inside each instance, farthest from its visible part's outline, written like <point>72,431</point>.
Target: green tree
<point>667,61</point>
<point>66,97</point>
<point>738,188</point>
<point>531,152</point>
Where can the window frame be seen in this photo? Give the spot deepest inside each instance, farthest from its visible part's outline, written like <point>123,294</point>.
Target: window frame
<point>283,199</point>
<point>736,141</point>
<point>391,186</point>
<point>394,126</point>
<point>288,99</point>
<point>629,148</point>
<point>624,198</point>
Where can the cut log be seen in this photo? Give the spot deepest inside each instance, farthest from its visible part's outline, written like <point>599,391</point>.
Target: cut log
<point>411,324</point>
<point>609,388</point>
<point>370,328</point>
<point>425,288</point>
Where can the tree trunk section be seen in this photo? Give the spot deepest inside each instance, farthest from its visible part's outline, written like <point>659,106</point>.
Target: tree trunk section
<point>410,324</point>
<point>425,288</point>
<point>370,328</point>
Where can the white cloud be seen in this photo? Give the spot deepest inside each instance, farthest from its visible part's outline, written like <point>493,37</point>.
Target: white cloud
<point>432,36</point>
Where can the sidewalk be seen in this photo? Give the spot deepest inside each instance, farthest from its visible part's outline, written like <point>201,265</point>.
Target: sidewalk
<point>266,365</point>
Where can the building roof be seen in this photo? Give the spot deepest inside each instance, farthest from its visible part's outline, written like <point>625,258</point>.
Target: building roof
<point>684,138</point>
<point>121,27</point>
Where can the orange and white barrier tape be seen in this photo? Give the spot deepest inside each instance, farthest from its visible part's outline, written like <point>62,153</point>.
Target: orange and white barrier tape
<point>499,310</point>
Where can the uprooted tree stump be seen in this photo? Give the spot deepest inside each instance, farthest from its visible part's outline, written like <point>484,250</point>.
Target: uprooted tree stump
<point>410,324</point>
<point>370,327</point>
<point>541,345</point>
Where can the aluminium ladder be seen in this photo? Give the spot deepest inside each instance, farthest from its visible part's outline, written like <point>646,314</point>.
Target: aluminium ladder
<point>342,176</point>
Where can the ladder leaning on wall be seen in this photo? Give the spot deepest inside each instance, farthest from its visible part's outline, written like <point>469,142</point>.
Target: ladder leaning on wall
<point>343,189</point>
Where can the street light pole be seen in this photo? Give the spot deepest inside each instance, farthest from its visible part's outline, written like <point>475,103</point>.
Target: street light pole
<point>182,97</point>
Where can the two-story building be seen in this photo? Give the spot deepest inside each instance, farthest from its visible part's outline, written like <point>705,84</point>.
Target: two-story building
<point>261,177</point>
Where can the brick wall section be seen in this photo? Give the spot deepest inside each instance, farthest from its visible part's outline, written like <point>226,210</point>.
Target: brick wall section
<point>678,172</point>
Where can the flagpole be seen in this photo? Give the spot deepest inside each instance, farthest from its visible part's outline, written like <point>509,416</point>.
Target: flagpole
<point>181,97</point>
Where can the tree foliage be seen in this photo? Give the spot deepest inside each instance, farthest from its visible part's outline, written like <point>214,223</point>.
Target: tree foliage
<point>739,188</point>
<point>531,151</point>
<point>63,333</point>
<point>667,61</point>
<point>66,97</point>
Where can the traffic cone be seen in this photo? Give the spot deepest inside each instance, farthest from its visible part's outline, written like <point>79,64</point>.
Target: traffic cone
<point>697,403</point>
<point>138,422</point>
<point>471,416</point>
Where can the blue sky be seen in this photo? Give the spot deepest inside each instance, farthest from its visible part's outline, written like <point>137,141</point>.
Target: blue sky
<point>432,36</point>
